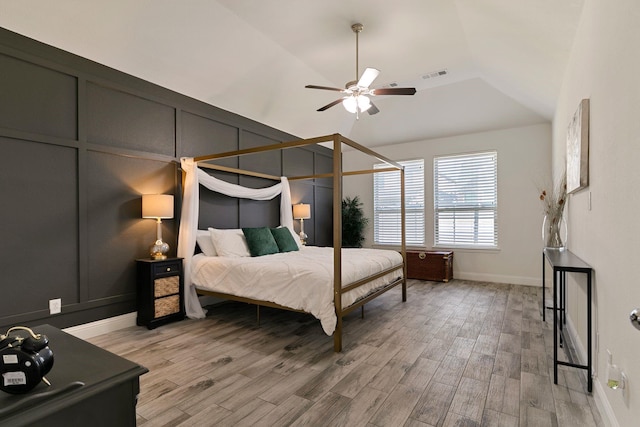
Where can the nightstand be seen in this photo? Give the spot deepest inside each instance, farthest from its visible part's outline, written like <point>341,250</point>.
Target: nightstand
<point>160,291</point>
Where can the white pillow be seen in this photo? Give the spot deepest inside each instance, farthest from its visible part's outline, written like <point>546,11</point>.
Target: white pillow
<point>230,243</point>
<point>203,237</point>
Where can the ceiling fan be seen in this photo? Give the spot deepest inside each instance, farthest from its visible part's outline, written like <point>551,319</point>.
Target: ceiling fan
<point>357,92</point>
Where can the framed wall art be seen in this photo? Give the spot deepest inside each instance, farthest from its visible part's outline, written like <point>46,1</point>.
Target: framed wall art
<point>578,149</point>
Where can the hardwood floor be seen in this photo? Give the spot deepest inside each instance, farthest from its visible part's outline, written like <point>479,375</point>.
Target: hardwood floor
<point>455,354</point>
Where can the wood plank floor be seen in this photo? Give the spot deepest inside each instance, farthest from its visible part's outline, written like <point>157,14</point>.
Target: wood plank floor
<point>455,354</point>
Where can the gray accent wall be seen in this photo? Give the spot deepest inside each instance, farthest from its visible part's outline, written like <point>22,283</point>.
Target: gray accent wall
<point>80,143</point>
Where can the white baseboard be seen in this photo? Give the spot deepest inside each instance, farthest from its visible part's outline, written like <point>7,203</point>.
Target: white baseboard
<point>577,344</point>
<point>599,394</point>
<point>496,278</point>
<point>104,326</point>
<point>602,403</point>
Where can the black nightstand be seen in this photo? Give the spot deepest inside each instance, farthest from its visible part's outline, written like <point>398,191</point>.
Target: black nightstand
<point>160,293</point>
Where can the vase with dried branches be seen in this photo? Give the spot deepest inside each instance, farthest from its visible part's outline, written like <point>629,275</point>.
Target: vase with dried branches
<point>554,228</point>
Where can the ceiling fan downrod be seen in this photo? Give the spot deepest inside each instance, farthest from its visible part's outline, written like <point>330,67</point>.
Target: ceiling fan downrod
<point>357,28</point>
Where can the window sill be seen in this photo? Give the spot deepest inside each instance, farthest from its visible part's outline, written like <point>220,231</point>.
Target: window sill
<point>439,248</point>
<point>468,248</point>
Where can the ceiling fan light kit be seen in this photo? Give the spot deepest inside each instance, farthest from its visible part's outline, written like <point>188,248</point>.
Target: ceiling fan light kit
<point>357,92</point>
<point>353,104</point>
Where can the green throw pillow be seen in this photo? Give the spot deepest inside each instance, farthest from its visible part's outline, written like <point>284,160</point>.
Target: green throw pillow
<point>284,239</point>
<point>260,241</point>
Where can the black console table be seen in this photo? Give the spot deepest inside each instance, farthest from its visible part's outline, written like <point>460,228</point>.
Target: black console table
<point>563,261</point>
<point>89,387</point>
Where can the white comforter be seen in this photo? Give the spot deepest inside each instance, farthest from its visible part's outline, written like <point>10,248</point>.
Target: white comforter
<point>302,280</point>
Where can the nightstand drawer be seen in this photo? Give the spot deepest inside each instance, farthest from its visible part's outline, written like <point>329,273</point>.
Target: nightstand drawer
<point>166,286</point>
<point>164,269</point>
<point>166,306</point>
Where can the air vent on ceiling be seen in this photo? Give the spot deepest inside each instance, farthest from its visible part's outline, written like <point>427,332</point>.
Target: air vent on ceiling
<point>435,74</point>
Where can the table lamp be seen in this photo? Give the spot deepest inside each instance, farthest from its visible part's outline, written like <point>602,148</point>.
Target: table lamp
<point>302,211</point>
<point>159,207</point>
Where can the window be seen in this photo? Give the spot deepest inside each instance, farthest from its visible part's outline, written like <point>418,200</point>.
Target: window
<point>386,204</point>
<point>466,200</point>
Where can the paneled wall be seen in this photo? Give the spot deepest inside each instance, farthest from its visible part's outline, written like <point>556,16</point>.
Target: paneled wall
<point>80,143</point>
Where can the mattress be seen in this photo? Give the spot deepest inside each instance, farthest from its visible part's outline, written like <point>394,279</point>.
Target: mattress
<point>302,280</point>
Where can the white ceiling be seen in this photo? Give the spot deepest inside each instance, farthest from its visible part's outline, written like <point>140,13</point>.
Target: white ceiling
<point>505,58</point>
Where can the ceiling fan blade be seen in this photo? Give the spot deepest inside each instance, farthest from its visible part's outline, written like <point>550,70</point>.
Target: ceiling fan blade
<point>336,102</point>
<point>394,91</point>
<point>324,88</point>
<point>368,77</point>
<point>373,109</point>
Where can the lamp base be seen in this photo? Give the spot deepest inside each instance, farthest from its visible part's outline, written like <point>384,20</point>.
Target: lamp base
<point>159,250</point>
<point>303,238</point>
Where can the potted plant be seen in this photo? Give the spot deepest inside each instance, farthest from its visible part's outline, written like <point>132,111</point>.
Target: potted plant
<point>353,223</point>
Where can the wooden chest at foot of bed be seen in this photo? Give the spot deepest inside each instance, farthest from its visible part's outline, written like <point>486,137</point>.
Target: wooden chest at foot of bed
<point>430,265</point>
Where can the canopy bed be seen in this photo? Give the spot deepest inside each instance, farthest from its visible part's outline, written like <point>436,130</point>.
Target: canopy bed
<point>328,283</point>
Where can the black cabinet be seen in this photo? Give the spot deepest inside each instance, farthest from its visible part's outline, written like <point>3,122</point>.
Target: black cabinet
<point>89,387</point>
<point>160,291</point>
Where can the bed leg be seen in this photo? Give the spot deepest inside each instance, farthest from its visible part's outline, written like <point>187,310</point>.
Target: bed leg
<point>258,315</point>
<point>404,290</point>
<point>362,312</point>
<point>337,337</point>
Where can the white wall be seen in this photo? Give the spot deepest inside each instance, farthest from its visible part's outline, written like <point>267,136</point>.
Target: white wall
<point>605,67</point>
<point>523,166</point>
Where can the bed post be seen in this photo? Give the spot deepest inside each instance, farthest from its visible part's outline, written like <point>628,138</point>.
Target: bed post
<point>184,178</point>
<point>337,240</point>
<point>403,240</point>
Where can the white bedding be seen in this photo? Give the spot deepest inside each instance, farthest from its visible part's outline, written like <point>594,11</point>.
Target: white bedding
<point>302,279</point>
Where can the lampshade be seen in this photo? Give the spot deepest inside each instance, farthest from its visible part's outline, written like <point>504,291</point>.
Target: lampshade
<point>350,104</point>
<point>157,206</point>
<point>301,211</point>
<point>363,102</point>
<point>354,103</point>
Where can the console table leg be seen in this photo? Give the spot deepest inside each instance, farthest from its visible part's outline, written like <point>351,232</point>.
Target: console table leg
<point>558,275</point>
<point>555,327</point>
<point>589,357</point>
<point>564,297</point>
<point>544,302</point>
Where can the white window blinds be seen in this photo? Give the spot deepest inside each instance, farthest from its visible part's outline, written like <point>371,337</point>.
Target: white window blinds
<point>386,204</point>
<point>466,200</point>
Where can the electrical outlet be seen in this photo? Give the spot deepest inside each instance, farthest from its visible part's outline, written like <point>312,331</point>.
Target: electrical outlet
<point>55,306</point>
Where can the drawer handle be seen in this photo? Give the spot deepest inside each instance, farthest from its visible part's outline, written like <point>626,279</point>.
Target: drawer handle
<point>422,255</point>
<point>168,268</point>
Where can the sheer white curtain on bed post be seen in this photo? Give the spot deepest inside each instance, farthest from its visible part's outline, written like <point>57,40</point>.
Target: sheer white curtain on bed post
<point>187,235</point>
<point>189,218</point>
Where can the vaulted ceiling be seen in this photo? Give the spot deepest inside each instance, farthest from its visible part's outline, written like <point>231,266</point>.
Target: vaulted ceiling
<point>505,59</point>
